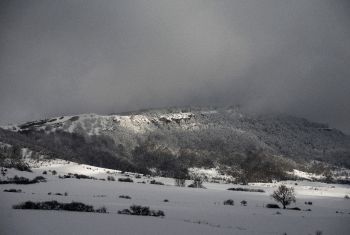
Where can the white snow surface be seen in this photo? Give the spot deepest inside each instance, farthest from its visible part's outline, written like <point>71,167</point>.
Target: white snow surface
<point>189,210</point>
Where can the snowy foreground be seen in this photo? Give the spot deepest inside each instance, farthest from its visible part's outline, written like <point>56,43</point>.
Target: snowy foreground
<point>188,211</point>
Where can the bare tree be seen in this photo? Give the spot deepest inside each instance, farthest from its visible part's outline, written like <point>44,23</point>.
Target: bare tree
<point>284,195</point>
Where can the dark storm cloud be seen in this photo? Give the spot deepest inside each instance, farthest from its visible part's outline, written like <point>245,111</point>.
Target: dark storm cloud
<point>65,57</point>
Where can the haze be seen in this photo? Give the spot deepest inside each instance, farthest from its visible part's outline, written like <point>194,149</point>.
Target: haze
<point>69,57</point>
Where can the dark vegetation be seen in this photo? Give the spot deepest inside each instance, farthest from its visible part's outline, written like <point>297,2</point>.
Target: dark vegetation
<point>197,183</point>
<point>11,157</point>
<point>247,190</point>
<point>54,205</point>
<point>125,196</point>
<point>110,178</point>
<point>76,176</point>
<point>229,202</point>
<point>12,190</point>
<point>244,203</point>
<point>142,211</point>
<point>156,182</point>
<point>128,180</point>
<point>284,195</point>
<point>23,180</point>
<point>272,206</point>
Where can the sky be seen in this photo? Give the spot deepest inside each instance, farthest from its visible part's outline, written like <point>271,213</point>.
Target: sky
<point>63,57</point>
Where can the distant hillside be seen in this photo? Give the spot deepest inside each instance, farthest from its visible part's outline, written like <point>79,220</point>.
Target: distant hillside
<point>166,140</point>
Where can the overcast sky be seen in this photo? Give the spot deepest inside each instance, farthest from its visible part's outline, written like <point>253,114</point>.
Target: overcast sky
<point>68,57</point>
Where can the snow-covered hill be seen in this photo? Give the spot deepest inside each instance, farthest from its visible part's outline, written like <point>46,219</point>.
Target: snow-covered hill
<point>205,133</point>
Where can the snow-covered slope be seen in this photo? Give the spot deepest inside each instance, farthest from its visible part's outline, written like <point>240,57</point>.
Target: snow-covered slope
<point>188,210</point>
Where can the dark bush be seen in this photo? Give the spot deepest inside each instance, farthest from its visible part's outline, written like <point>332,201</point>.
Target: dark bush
<point>180,182</point>
<point>125,196</point>
<point>101,210</point>
<point>110,178</point>
<point>125,180</point>
<point>12,190</point>
<point>308,203</point>
<point>294,209</point>
<point>346,197</point>
<point>156,182</point>
<point>229,202</point>
<point>54,172</point>
<point>141,211</point>
<point>244,203</point>
<point>197,183</point>
<point>166,200</point>
<point>78,206</point>
<point>44,172</point>
<point>22,180</point>
<point>247,190</point>
<point>81,176</point>
<point>54,205</point>
<point>124,212</point>
<point>272,206</point>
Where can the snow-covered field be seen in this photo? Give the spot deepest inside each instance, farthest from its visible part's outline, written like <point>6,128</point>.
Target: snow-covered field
<point>188,211</point>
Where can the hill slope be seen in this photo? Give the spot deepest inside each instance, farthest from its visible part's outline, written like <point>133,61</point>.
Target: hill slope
<point>167,139</point>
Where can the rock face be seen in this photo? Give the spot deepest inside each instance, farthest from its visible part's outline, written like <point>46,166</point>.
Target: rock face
<point>201,136</point>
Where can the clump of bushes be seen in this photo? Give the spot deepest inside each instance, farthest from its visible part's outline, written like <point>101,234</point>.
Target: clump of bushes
<point>141,211</point>
<point>77,176</point>
<point>244,203</point>
<point>12,190</point>
<point>272,206</point>
<point>197,183</point>
<point>156,182</point>
<point>247,190</point>
<point>166,200</point>
<point>54,205</point>
<point>110,178</point>
<point>229,202</point>
<point>346,197</point>
<point>125,196</point>
<point>308,203</point>
<point>129,180</point>
<point>180,182</point>
<point>23,180</point>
